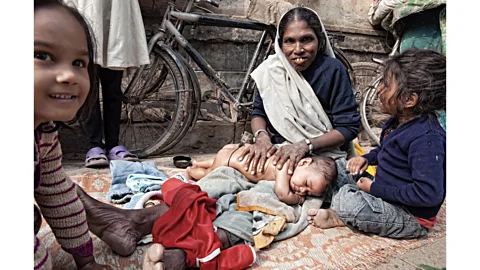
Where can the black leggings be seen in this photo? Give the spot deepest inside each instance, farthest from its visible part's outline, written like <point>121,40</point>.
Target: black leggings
<point>112,107</point>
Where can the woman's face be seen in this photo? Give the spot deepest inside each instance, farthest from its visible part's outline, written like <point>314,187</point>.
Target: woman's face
<point>300,44</point>
<point>60,60</point>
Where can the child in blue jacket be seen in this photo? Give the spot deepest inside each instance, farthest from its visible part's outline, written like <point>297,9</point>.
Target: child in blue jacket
<point>409,186</point>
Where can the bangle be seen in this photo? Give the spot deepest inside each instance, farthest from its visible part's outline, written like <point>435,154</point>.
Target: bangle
<point>310,146</point>
<point>258,132</point>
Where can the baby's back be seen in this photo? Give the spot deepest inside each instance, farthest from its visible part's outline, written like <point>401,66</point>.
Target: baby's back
<point>228,156</point>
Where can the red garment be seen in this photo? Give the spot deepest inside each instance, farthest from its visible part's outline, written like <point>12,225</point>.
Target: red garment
<point>188,225</point>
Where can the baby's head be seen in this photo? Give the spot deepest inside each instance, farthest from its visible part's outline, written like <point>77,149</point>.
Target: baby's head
<point>64,70</point>
<point>414,83</point>
<point>313,176</point>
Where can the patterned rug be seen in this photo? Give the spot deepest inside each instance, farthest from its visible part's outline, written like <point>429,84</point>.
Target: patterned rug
<point>337,248</point>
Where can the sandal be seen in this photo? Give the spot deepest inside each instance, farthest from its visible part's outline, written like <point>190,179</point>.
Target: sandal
<point>96,158</point>
<point>121,153</point>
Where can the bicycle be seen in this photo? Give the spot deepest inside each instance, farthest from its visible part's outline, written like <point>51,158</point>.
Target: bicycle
<point>372,118</point>
<point>162,100</point>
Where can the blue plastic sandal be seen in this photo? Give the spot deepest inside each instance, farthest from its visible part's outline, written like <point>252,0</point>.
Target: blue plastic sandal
<point>121,153</point>
<point>96,158</point>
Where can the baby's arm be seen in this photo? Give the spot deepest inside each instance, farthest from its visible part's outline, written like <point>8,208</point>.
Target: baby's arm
<point>282,187</point>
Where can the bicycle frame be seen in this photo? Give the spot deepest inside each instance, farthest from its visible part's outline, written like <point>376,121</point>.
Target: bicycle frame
<point>200,19</point>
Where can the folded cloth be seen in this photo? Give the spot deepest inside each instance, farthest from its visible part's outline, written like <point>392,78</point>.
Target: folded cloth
<point>188,225</point>
<point>265,227</point>
<point>143,183</point>
<point>224,183</point>
<point>250,200</point>
<point>119,192</point>
<point>138,200</point>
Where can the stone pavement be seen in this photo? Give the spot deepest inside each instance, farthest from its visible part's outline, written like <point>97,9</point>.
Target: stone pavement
<point>433,254</point>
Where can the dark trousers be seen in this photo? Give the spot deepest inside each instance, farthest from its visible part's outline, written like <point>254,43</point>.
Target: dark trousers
<point>95,128</point>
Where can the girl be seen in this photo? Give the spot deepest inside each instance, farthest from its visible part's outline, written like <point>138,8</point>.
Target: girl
<point>63,90</point>
<point>409,186</point>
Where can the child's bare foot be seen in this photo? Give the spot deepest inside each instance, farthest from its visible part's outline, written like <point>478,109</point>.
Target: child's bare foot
<point>187,172</point>
<point>153,259</point>
<point>194,164</point>
<point>324,218</point>
<point>121,229</point>
<point>159,258</point>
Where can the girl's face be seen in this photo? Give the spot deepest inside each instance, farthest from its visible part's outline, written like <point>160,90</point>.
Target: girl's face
<point>387,105</point>
<point>300,44</point>
<point>61,80</point>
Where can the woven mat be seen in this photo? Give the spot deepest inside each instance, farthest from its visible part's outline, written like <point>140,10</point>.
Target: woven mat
<point>337,248</point>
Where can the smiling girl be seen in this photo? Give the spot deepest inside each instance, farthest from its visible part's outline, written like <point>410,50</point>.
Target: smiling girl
<point>64,88</point>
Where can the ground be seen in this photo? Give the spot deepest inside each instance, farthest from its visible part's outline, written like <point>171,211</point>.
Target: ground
<point>429,256</point>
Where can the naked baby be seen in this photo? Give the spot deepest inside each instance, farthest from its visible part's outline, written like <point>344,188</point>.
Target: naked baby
<point>312,176</point>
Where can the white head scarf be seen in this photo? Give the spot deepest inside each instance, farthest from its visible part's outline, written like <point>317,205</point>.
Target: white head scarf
<point>289,101</point>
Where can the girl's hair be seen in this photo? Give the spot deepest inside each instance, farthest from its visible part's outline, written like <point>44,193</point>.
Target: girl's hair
<point>418,71</point>
<point>302,14</point>
<point>84,111</point>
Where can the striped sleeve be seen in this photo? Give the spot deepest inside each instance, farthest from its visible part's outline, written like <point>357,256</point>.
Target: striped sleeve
<point>58,201</point>
<point>41,257</point>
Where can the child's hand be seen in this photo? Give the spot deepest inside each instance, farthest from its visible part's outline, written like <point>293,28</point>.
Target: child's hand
<point>364,184</point>
<point>357,165</point>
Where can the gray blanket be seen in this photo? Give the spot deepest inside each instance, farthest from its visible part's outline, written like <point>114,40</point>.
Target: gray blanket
<point>224,183</point>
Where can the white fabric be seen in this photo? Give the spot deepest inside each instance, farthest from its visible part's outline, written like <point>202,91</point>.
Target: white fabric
<point>290,102</point>
<point>118,30</point>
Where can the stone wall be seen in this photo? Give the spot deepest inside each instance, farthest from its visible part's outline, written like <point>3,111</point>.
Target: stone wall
<point>229,50</point>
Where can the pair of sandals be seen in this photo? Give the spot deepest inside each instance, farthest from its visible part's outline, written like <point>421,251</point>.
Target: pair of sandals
<point>96,156</point>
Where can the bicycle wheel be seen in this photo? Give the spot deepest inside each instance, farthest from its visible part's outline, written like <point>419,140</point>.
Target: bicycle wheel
<point>194,106</point>
<point>155,107</point>
<point>364,73</point>
<point>372,118</point>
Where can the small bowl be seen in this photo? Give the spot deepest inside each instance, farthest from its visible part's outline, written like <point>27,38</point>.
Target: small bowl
<point>182,162</point>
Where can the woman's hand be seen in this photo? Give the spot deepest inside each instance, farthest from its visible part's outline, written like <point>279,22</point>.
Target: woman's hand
<point>258,154</point>
<point>357,165</point>
<point>364,184</point>
<point>293,152</point>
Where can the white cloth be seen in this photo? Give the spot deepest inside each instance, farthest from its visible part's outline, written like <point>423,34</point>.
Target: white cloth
<point>290,102</point>
<point>118,30</point>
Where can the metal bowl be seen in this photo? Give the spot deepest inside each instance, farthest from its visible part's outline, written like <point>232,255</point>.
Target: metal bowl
<point>182,162</point>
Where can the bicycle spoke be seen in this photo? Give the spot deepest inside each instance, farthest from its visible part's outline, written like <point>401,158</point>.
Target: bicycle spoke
<point>149,128</point>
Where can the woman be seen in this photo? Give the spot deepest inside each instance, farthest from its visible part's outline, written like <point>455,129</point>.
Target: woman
<point>305,99</point>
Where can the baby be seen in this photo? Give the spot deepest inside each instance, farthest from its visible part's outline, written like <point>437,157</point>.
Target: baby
<point>312,176</point>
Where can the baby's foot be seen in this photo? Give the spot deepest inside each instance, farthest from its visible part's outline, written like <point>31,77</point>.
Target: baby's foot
<point>153,258</point>
<point>324,218</point>
<point>194,164</point>
<point>159,258</point>
<point>187,173</point>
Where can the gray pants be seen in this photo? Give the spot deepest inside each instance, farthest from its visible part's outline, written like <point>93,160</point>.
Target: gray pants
<point>373,215</point>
